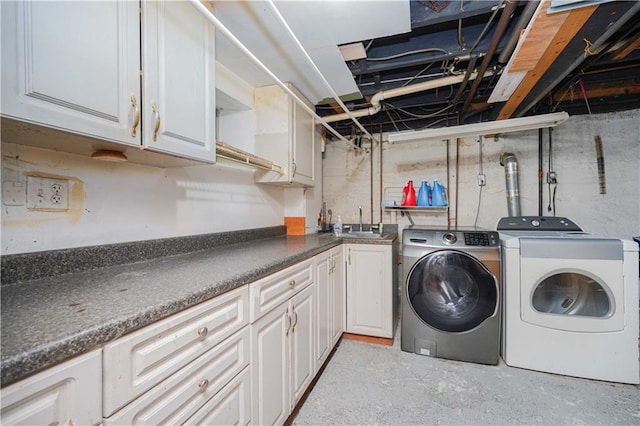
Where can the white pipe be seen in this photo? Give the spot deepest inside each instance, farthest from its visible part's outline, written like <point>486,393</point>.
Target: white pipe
<point>399,91</point>
<point>317,70</point>
<point>207,14</point>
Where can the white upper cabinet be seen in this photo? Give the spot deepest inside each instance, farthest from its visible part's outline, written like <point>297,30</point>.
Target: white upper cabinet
<point>73,66</point>
<point>179,86</point>
<point>284,135</point>
<point>80,67</point>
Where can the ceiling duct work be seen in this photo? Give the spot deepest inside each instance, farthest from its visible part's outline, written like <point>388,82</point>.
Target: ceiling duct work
<point>510,163</point>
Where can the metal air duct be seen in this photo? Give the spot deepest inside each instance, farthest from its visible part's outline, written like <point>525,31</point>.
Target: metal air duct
<point>510,163</point>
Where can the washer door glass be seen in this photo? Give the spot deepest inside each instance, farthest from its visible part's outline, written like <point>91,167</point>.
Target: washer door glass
<point>452,291</point>
<point>571,293</point>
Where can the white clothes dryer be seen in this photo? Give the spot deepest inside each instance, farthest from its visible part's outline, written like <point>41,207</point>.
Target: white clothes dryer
<point>570,300</point>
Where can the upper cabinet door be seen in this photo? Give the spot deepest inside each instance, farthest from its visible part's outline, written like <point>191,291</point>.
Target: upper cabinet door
<point>303,140</point>
<point>179,80</point>
<point>73,66</point>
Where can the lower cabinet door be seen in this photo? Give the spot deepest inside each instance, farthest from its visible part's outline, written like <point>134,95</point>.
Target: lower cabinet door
<point>369,290</point>
<point>230,406</point>
<point>68,393</point>
<point>338,295</point>
<point>270,366</point>
<point>323,304</point>
<point>301,339</point>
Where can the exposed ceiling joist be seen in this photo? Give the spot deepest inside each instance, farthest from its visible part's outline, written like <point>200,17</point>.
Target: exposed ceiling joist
<point>572,23</point>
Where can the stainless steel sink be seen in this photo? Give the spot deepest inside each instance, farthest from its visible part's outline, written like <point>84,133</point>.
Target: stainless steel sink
<point>361,234</point>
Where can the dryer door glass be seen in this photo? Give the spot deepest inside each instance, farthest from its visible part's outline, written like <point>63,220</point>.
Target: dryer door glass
<point>571,293</point>
<point>452,291</point>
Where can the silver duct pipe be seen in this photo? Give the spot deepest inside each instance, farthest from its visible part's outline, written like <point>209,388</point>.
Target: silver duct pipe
<point>510,163</point>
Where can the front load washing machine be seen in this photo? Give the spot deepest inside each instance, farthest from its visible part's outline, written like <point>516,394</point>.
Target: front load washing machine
<point>570,300</point>
<point>451,294</point>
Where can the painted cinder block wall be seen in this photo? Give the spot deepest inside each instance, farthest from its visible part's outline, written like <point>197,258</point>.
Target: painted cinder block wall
<point>347,176</point>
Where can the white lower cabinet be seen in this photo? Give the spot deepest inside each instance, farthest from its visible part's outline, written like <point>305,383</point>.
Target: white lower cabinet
<point>370,289</point>
<point>282,357</point>
<point>180,396</point>
<point>69,393</point>
<point>330,301</point>
<point>168,371</point>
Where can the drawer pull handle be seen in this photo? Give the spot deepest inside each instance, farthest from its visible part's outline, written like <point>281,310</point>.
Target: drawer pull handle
<point>202,332</point>
<point>292,283</point>
<point>202,384</point>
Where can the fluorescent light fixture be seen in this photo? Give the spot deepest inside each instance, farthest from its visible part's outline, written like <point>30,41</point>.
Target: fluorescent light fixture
<point>485,128</point>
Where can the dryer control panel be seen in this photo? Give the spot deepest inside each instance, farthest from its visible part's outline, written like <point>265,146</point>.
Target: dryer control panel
<point>537,223</point>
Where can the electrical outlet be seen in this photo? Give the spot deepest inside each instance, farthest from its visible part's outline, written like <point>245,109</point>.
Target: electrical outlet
<point>48,194</point>
<point>482,180</point>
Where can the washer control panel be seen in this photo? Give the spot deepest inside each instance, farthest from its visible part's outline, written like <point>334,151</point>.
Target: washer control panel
<point>450,238</point>
<point>535,223</point>
<point>480,239</point>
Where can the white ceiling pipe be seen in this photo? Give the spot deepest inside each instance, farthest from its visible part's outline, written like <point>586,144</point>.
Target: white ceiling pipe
<point>399,91</point>
<point>220,26</point>
<point>317,70</point>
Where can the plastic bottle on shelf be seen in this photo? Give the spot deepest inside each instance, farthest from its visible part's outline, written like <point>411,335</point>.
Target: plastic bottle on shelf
<point>410,199</point>
<point>337,227</point>
<point>438,197</point>
<point>424,194</point>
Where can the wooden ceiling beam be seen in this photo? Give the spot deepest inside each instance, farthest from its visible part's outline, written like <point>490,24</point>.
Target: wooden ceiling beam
<point>572,24</point>
<point>624,50</point>
<point>601,91</point>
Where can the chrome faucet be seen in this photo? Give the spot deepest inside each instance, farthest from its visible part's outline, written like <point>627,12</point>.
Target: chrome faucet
<point>360,208</point>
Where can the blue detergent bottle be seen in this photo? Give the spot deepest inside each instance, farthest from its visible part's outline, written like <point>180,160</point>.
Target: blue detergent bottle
<point>438,197</point>
<point>424,194</point>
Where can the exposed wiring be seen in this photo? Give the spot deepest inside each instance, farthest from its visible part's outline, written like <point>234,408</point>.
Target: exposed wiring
<point>440,111</point>
<point>587,48</point>
<point>551,207</point>
<point>411,52</point>
<point>481,172</point>
<point>392,122</point>
<point>486,27</point>
<point>475,222</point>
<point>461,43</point>
<point>418,75</point>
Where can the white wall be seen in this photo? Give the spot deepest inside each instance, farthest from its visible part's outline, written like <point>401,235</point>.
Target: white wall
<point>617,213</point>
<point>120,202</point>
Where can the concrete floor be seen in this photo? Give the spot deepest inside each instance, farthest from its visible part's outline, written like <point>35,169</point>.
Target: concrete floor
<point>365,383</point>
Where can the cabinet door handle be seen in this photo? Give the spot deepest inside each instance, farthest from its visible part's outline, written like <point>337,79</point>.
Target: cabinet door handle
<point>349,256</point>
<point>295,322</point>
<point>295,167</point>
<point>292,283</point>
<point>136,117</point>
<point>202,384</point>
<point>202,332</point>
<point>154,108</point>
<point>288,322</point>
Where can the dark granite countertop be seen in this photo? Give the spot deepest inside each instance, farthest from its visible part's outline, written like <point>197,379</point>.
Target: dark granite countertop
<point>48,320</point>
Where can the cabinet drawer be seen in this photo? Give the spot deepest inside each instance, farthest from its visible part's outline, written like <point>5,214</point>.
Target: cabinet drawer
<point>137,362</point>
<point>231,406</point>
<point>180,396</point>
<point>68,393</point>
<point>269,292</point>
